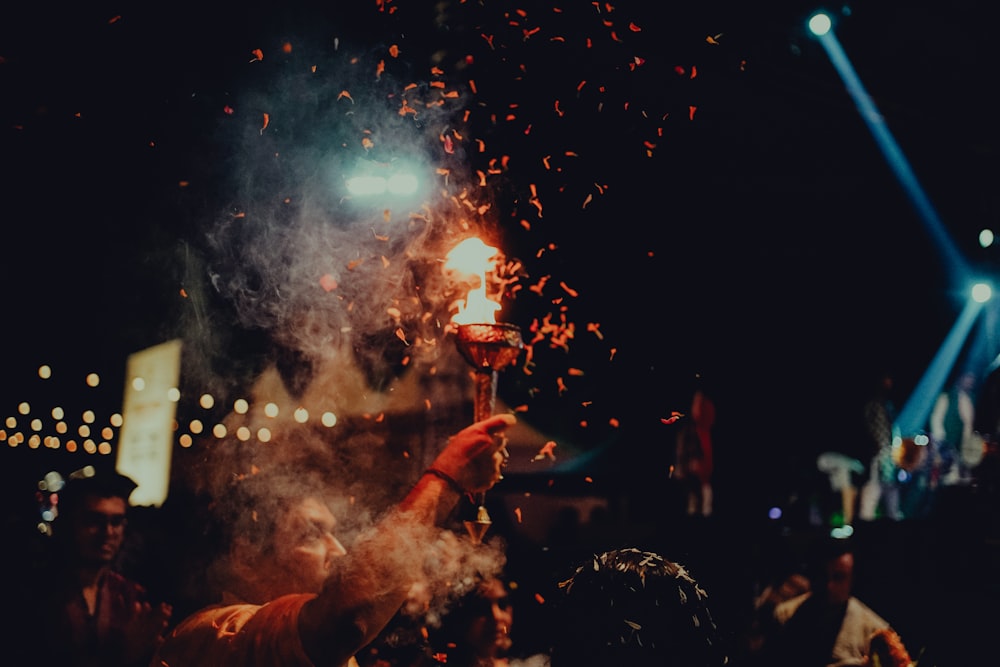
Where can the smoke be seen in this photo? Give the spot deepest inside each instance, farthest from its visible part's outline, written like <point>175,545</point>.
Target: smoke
<point>344,299</point>
<point>297,261</point>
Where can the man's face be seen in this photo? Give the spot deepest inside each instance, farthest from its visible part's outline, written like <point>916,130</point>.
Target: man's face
<point>99,529</point>
<point>489,631</point>
<point>304,547</point>
<point>839,579</point>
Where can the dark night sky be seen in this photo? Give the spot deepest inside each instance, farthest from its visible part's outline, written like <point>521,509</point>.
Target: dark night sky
<point>763,242</point>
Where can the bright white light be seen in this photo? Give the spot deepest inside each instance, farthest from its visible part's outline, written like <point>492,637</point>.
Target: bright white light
<point>842,532</point>
<point>402,184</point>
<point>378,178</point>
<point>981,292</point>
<point>366,186</point>
<point>986,238</point>
<point>820,24</point>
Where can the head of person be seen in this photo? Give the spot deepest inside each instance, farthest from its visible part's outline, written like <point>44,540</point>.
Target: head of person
<point>93,510</point>
<point>636,608</point>
<point>477,628</point>
<point>281,535</point>
<point>834,571</point>
<point>490,619</point>
<point>966,382</point>
<point>471,630</point>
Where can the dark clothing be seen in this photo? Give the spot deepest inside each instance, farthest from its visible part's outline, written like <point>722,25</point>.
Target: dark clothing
<point>807,638</point>
<point>811,633</point>
<point>53,625</point>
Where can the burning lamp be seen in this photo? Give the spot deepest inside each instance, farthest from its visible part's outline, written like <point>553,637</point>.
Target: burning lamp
<point>487,346</point>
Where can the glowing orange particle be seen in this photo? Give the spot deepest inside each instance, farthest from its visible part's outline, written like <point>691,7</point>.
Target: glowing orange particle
<point>328,282</point>
<point>547,451</point>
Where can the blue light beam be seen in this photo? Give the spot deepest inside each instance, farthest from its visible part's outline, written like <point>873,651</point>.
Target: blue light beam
<point>890,149</point>
<point>915,412</point>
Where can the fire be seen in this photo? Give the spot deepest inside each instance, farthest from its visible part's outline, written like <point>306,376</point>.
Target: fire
<point>473,257</point>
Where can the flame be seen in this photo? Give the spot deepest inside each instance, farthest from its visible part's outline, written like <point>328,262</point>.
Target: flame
<point>473,257</point>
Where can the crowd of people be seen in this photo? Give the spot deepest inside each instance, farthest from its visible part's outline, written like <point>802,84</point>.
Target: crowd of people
<point>292,586</point>
<point>890,475</point>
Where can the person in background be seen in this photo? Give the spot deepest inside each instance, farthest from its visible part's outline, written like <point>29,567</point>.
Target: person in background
<point>952,429</point>
<point>636,608</point>
<point>76,608</point>
<point>295,596</point>
<point>841,470</point>
<point>985,464</point>
<point>473,630</point>
<point>783,587</point>
<point>477,631</point>
<point>694,459</point>
<point>827,626</point>
<point>881,490</point>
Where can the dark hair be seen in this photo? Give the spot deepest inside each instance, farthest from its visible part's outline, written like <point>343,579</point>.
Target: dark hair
<point>102,484</point>
<point>635,608</point>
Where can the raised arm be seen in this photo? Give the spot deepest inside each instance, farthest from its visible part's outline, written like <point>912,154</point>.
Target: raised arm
<point>370,584</point>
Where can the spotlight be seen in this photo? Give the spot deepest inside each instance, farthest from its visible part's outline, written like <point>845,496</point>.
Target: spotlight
<point>820,24</point>
<point>981,292</point>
